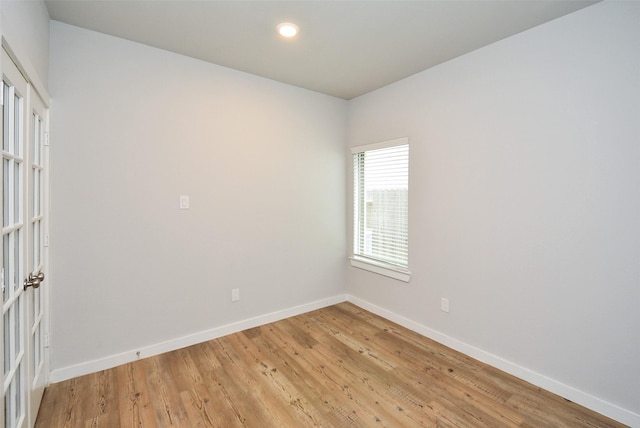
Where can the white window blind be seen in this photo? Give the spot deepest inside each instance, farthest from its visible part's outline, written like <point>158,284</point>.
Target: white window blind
<point>381,203</point>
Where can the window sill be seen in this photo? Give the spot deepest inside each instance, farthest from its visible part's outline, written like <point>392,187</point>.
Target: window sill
<point>381,269</point>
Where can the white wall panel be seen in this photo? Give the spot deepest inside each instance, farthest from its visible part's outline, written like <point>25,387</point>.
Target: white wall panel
<point>136,127</point>
<point>524,199</point>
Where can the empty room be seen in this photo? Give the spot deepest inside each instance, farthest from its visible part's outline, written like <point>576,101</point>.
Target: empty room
<point>320,213</point>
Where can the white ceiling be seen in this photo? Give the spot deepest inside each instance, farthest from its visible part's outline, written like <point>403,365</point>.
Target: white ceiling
<point>344,48</point>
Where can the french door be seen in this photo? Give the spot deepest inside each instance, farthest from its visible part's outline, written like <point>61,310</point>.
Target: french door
<point>24,125</point>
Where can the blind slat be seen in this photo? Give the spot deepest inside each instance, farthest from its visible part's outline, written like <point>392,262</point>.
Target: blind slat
<point>381,219</point>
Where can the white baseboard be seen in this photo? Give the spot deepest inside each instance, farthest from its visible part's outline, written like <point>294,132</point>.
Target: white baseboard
<point>610,410</point>
<point>111,361</point>
<point>605,408</point>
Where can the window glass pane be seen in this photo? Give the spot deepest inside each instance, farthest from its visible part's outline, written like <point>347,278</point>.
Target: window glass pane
<point>37,129</point>
<point>19,411</point>
<point>381,215</point>
<point>17,133</point>
<point>17,184</point>
<point>39,244</point>
<point>33,202</point>
<point>17,258</point>
<point>7,407</point>
<point>36,192</point>
<point>6,139</point>
<point>5,266</point>
<point>36,304</point>
<point>35,248</point>
<point>6,195</point>
<point>7,341</point>
<point>36,349</point>
<point>18,313</point>
<point>40,141</point>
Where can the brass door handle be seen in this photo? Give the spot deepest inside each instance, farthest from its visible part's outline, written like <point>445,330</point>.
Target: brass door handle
<point>33,280</point>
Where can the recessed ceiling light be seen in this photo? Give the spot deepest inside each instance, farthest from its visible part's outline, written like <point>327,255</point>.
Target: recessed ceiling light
<point>287,29</point>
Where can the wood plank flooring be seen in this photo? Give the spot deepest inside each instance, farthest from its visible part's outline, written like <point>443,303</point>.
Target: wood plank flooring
<point>335,367</point>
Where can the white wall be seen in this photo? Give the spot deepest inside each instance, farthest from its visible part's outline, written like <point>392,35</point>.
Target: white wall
<point>133,128</point>
<point>525,201</point>
<point>25,26</point>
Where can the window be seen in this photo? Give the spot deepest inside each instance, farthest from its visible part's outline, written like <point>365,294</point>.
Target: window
<point>381,208</point>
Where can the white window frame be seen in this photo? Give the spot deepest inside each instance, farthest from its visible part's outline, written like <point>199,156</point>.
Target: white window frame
<point>361,261</point>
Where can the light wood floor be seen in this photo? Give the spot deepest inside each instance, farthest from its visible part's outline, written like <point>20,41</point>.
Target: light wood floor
<point>336,367</point>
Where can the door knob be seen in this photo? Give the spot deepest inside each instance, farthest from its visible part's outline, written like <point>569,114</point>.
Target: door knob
<point>33,280</point>
<point>31,283</point>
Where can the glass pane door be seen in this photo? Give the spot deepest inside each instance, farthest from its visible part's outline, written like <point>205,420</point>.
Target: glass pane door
<point>23,128</point>
<point>36,295</point>
<point>14,89</point>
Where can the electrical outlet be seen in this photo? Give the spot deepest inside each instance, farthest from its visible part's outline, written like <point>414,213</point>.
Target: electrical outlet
<point>235,294</point>
<point>444,304</point>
